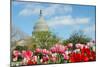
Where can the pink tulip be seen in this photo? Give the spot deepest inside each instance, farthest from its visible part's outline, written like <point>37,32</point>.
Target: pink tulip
<point>80,46</point>
<point>86,46</point>
<point>53,49</point>
<point>61,50</point>
<point>38,50</point>
<point>90,44</point>
<point>70,45</point>
<point>45,58</point>
<point>53,59</point>
<point>58,49</point>
<point>41,60</point>
<point>27,54</point>
<point>66,57</point>
<point>66,48</point>
<point>15,58</point>
<point>45,51</point>
<point>34,58</point>
<point>16,53</point>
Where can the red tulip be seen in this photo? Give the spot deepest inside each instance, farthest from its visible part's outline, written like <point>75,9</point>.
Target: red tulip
<point>30,62</point>
<point>86,59</point>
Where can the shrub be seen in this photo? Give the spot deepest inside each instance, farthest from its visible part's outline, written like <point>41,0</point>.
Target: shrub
<point>77,37</point>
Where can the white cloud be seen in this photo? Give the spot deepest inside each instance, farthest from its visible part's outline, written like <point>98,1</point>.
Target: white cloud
<point>28,12</point>
<point>57,9</point>
<point>50,10</point>
<point>67,20</point>
<point>89,29</point>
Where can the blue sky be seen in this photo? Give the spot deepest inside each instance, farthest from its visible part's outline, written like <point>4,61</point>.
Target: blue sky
<point>63,19</point>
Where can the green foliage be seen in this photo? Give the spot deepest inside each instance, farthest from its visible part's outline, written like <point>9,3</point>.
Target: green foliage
<point>44,39</point>
<point>32,46</point>
<point>20,58</point>
<point>77,37</point>
<point>61,59</point>
<point>20,48</point>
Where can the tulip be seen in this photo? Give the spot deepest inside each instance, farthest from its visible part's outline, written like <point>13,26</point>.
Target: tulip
<point>54,54</point>
<point>34,58</point>
<point>38,50</point>
<point>15,58</point>
<point>41,60</point>
<point>82,53</point>
<point>77,50</point>
<point>58,48</point>
<point>86,59</point>
<point>16,53</point>
<point>45,58</point>
<point>70,45</point>
<point>94,48</point>
<point>66,48</point>
<point>90,44</point>
<point>30,62</point>
<point>53,59</point>
<point>80,46</point>
<point>53,49</point>
<point>45,51</point>
<point>24,61</point>
<point>27,54</point>
<point>66,57</point>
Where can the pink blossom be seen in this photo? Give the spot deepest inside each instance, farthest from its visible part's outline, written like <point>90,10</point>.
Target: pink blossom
<point>86,46</point>
<point>61,50</point>
<point>76,50</point>
<point>45,58</point>
<point>66,48</point>
<point>58,48</point>
<point>53,49</point>
<point>15,58</point>
<point>80,46</point>
<point>34,58</point>
<point>38,50</point>
<point>16,53</point>
<point>41,60</point>
<point>66,57</point>
<point>70,45</point>
<point>27,54</point>
<point>53,59</point>
<point>90,44</point>
<point>45,51</point>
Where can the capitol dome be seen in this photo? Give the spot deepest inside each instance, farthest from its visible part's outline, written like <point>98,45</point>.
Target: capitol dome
<point>41,25</point>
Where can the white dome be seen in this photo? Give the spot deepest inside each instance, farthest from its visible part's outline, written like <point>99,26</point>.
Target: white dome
<point>41,25</point>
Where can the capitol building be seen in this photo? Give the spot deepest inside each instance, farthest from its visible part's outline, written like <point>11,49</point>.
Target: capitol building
<point>41,25</point>
<point>41,35</point>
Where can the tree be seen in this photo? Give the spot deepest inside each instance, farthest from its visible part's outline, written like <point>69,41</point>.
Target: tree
<point>44,39</point>
<point>77,37</point>
<point>16,35</point>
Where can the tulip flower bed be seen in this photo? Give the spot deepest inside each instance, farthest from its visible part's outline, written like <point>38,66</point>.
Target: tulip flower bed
<point>57,54</point>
